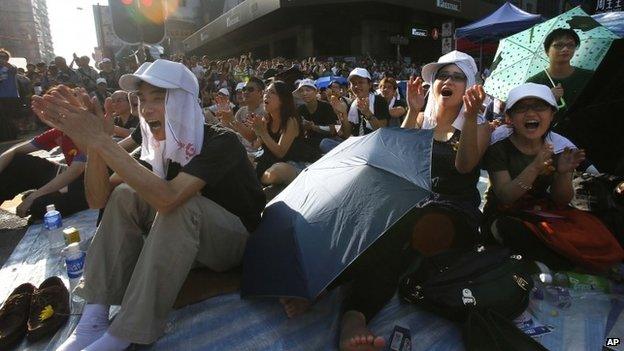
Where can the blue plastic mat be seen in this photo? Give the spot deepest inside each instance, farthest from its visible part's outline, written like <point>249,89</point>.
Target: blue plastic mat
<point>229,323</point>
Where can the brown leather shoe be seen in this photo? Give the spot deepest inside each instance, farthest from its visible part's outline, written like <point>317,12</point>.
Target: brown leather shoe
<point>14,316</point>
<point>49,309</point>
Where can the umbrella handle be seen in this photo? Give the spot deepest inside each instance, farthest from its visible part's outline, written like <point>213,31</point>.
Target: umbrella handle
<point>563,103</point>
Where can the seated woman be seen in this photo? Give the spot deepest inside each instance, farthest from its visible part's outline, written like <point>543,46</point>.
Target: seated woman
<point>449,218</point>
<point>396,106</point>
<point>525,172</point>
<point>280,134</point>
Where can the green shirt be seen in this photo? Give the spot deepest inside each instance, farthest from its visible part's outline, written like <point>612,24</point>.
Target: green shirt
<point>572,87</point>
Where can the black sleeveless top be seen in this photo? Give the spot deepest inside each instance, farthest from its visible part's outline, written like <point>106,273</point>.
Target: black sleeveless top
<point>445,179</point>
<point>299,151</point>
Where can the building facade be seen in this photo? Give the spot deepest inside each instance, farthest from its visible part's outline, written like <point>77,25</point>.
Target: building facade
<point>301,28</point>
<point>25,29</point>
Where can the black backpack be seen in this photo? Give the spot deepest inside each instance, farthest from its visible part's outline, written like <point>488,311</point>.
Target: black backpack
<point>455,282</point>
<point>485,288</point>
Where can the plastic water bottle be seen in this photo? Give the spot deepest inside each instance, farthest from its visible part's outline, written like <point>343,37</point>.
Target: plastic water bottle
<point>53,223</point>
<point>74,261</point>
<point>555,289</point>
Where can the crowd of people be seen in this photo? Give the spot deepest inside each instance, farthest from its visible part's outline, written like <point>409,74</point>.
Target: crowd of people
<point>179,155</point>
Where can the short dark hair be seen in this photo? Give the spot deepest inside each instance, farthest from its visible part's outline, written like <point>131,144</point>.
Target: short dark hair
<point>561,33</point>
<point>257,81</point>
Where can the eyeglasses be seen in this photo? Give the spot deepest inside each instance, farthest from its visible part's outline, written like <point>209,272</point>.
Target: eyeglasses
<point>456,77</point>
<point>561,46</point>
<point>524,108</point>
<point>248,89</point>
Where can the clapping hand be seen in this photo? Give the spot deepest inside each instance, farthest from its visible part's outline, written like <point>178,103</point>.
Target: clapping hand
<point>570,159</point>
<point>415,94</point>
<point>224,110</point>
<point>543,160</point>
<point>73,113</point>
<point>363,106</point>
<point>473,100</point>
<point>259,125</point>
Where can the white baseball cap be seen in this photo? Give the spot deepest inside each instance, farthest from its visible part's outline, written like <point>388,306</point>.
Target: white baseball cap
<point>464,61</point>
<point>240,86</point>
<point>100,80</point>
<point>360,72</point>
<point>163,74</point>
<point>530,90</point>
<point>305,83</point>
<point>224,91</point>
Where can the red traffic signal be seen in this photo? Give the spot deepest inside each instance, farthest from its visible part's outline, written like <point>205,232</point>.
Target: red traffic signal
<point>138,21</point>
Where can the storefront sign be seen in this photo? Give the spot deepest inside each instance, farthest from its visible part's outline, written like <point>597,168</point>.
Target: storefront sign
<point>609,5</point>
<point>453,5</point>
<point>418,32</point>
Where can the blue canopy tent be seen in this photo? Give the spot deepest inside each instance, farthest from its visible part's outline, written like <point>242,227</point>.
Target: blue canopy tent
<point>507,20</point>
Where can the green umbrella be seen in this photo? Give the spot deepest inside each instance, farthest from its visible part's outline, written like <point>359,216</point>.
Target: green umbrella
<point>522,55</point>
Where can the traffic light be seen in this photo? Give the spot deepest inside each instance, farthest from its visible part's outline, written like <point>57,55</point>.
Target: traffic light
<point>138,21</point>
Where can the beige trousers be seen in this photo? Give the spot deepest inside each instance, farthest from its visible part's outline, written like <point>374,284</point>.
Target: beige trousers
<point>144,274</point>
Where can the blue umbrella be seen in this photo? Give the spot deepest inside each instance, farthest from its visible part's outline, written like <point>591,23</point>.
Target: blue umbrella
<point>335,210</point>
<point>324,82</point>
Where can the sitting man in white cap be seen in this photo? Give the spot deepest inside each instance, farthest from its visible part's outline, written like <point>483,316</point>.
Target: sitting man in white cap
<point>319,119</point>
<point>367,113</point>
<point>198,203</point>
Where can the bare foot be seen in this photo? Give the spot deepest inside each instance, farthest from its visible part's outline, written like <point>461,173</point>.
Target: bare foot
<point>354,336</point>
<point>294,306</point>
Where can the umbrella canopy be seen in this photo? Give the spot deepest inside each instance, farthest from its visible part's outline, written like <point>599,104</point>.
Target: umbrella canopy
<point>522,55</point>
<point>323,82</point>
<point>334,210</point>
<point>506,20</point>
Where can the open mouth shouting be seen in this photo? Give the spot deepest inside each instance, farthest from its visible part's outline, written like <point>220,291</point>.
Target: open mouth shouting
<point>154,125</point>
<point>446,92</point>
<point>531,124</point>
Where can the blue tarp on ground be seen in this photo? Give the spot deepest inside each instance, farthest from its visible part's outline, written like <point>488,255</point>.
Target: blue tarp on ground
<point>228,323</point>
<point>508,19</point>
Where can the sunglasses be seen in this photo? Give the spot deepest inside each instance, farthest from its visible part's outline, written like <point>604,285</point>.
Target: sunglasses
<point>456,77</point>
<point>536,107</point>
<point>248,89</point>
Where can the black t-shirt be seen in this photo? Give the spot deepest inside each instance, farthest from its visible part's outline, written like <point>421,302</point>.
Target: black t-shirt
<point>380,111</point>
<point>137,136</point>
<point>132,122</point>
<point>323,116</point>
<point>505,156</point>
<point>230,178</point>
<point>397,121</point>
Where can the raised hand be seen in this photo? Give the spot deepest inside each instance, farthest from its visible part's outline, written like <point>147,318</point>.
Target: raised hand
<point>570,159</point>
<point>415,94</point>
<point>473,100</point>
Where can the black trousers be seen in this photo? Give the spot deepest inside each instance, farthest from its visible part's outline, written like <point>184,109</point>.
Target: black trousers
<point>27,172</point>
<point>376,274</point>
<point>8,111</point>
